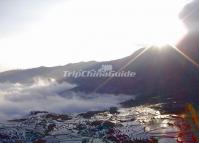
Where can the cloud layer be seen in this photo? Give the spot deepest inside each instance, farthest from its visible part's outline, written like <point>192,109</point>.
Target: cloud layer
<point>17,100</point>
<point>190,15</point>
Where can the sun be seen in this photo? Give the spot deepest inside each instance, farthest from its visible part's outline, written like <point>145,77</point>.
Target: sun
<point>160,45</point>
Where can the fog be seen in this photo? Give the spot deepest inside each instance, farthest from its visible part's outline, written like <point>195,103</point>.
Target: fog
<point>17,100</point>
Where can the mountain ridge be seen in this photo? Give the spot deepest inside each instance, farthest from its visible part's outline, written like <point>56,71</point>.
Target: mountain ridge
<point>163,75</point>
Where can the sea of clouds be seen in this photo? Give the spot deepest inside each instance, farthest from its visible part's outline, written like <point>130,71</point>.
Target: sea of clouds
<point>17,100</point>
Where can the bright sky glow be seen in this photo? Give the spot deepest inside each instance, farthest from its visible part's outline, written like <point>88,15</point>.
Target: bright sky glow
<point>82,30</point>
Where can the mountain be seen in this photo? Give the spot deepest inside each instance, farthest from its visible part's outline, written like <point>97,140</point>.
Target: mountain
<point>162,75</point>
<point>27,75</point>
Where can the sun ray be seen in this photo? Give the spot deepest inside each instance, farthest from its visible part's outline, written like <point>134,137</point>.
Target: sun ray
<point>186,56</point>
<point>132,60</point>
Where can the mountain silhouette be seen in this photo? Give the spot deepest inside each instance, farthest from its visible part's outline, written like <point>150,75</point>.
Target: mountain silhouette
<point>163,75</point>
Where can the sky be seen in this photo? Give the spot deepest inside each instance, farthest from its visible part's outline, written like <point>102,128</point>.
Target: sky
<point>56,32</point>
<point>190,16</point>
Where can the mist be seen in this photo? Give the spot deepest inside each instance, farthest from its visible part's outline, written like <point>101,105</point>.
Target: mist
<point>17,100</point>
